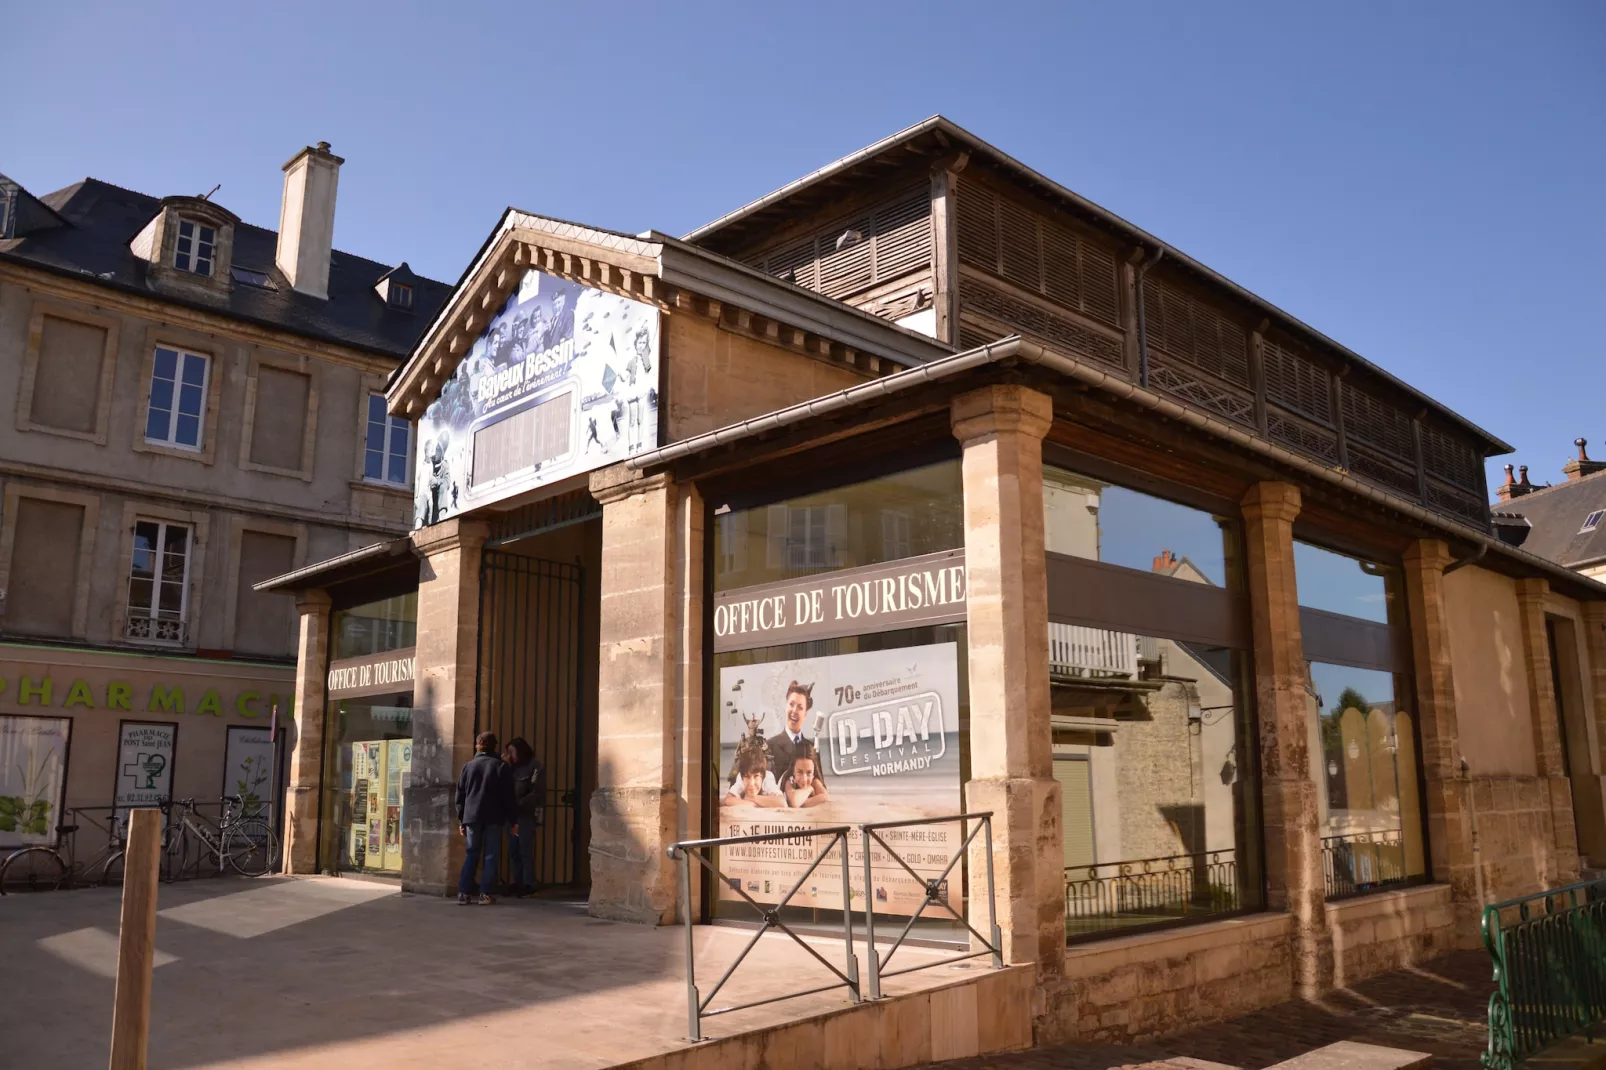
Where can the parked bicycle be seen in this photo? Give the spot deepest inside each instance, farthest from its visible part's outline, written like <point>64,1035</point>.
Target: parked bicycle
<point>243,843</point>
<point>45,868</point>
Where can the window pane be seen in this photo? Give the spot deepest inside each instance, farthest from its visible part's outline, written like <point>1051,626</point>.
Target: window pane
<point>1340,584</point>
<point>162,394</point>
<point>1089,518</point>
<point>188,431</point>
<point>157,423</point>
<point>178,539</point>
<point>1363,750</point>
<point>398,456</point>
<point>373,464</point>
<point>186,229</point>
<point>189,400</point>
<point>172,604</point>
<point>376,408</point>
<point>194,369</point>
<point>139,595</point>
<point>173,567</point>
<point>166,364</point>
<point>376,436</point>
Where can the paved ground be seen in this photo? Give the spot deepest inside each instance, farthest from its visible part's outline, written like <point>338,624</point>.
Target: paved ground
<point>323,972</point>
<point>1440,1008</point>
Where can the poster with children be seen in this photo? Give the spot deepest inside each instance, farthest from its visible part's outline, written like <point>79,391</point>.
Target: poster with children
<point>841,740</point>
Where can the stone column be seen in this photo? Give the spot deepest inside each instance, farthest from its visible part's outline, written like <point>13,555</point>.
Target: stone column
<point>1444,788</point>
<point>1594,626</point>
<point>1293,837</point>
<point>306,753</point>
<point>646,660</point>
<point>443,699</point>
<point>1011,742</point>
<point>1561,853</point>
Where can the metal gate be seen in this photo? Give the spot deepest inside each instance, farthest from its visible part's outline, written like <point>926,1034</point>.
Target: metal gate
<point>529,684</point>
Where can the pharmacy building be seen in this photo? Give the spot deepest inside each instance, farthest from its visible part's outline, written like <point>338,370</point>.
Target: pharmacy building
<point>924,486</point>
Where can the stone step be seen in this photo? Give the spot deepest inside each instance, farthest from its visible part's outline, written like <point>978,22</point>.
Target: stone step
<point>1351,1055</point>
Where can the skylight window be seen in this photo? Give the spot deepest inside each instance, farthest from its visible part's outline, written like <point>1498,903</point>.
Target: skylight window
<point>253,278</point>
<point>1592,521</point>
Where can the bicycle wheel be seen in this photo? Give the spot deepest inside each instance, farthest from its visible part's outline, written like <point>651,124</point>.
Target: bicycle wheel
<point>250,847</point>
<point>111,871</point>
<point>182,858</point>
<point>32,869</point>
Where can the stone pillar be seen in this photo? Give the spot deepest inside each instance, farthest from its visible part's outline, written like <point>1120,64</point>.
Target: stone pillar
<point>1444,788</point>
<point>443,699</point>
<point>1011,741</point>
<point>1293,837</point>
<point>1594,626</point>
<point>306,753</point>
<point>1561,853</point>
<point>651,532</point>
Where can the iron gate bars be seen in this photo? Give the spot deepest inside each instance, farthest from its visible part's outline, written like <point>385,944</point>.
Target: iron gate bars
<point>933,885</point>
<point>1549,970</point>
<point>686,850</point>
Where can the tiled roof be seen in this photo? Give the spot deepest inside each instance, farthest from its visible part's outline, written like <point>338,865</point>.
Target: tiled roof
<point>1557,516</point>
<point>102,219</point>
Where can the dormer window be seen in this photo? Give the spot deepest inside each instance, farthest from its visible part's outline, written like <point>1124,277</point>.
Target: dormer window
<point>400,295</point>
<point>197,243</point>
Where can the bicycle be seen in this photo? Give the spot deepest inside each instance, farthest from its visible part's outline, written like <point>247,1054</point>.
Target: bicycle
<point>245,844</point>
<point>43,867</point>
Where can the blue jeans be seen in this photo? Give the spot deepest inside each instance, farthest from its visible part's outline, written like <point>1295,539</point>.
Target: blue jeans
<point>521,863</point>
<point>483,840</point>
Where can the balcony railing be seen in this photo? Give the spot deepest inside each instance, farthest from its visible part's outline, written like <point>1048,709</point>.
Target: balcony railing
<point>147,629</point>
<point>1363,861</point>
<point>1091,652</point>
<point>1142,890</point>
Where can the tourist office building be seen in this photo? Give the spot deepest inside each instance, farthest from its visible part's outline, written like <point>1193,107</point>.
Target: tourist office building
<point>924,486</point>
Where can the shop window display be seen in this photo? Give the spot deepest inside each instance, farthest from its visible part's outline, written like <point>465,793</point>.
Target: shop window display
<point>840,690</point>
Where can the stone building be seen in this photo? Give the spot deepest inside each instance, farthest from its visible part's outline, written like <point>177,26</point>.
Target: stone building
<point>923,484</point>
<point>198,406</point>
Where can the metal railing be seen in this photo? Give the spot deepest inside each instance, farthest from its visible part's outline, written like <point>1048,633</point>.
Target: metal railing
<point>1549,953</point>
<point>770,918</point>
<point>141,626</point>
<point>1204,882</point>
<point>1098,652</point>
<point>936,894</point>
<point>1363,861</point>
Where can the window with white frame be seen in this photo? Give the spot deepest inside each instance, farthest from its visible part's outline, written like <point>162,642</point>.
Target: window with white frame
<point>385,447</point>
<point>197,244</point>
<point>1592,521</point>
<point>897,534</point>
<point>158,581</point>
<point>178,398</point>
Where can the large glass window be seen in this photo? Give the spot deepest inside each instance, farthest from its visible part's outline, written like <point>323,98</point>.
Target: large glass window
<point>368,739</point>
<point>177,398</point>
<point>1363,737</point>
<point>852,713</point>
<point>1154,738</point>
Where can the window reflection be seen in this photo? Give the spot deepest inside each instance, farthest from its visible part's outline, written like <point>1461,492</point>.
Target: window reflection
<point>1363,748</point>
<point>1089,518</point>
<point>1337,583</point>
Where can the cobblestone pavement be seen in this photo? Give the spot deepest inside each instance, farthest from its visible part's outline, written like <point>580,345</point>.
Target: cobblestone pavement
<point>1440,1007</point>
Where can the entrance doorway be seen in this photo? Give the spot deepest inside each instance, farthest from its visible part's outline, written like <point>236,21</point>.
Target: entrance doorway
<point>536,679</point>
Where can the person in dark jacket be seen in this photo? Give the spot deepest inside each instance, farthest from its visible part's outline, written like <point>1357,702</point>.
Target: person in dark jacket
<point>520,756</point>
<point>485,803</point>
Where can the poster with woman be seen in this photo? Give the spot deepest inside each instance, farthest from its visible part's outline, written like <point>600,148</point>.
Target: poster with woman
<point>33,774</point>
<point>841,740</point>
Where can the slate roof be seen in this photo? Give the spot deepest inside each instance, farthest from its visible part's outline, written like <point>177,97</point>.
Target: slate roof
<point>1556,514</point>
<point>99,220</point>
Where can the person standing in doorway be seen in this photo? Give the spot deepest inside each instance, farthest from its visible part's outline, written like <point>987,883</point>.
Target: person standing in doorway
<point>529,791</point>
<point>485,804</point>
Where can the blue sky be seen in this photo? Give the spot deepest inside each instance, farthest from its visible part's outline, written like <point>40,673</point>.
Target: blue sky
<point>1421,181</point>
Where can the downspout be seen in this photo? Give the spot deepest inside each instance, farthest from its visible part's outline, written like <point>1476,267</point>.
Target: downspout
<point>1471,559</point>
<point>1143,326</point>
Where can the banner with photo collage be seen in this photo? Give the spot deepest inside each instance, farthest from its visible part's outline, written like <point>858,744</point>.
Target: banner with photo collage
<point>879,742</point>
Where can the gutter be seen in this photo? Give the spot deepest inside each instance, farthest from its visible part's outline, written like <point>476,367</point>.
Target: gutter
<point>1018,348</point>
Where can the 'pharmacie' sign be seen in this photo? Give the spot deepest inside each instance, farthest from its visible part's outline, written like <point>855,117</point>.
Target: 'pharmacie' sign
<point>909,593</point>
<point>29,689</point>
<point>372,674</point>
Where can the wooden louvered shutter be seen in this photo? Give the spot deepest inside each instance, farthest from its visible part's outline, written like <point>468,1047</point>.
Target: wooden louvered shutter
<point>903,235</point>
<point>1076,809</point>
<point>978,226</point>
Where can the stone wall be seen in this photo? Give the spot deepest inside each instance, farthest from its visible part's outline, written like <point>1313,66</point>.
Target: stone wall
<point>1132,987</point>
<point>1388,930</point>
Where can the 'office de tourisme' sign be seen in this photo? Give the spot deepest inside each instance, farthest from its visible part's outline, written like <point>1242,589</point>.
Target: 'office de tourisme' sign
<point>912,592</point>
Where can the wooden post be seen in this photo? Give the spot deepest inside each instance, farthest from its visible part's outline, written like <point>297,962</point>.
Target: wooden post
<point>136,942</point>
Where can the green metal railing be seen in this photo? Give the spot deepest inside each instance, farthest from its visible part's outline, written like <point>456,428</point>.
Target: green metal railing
<point>1549,954</point>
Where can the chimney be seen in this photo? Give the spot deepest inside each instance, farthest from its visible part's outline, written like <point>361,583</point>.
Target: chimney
<point>1581,466</point>
<point>1166,560</point>
<point>1515,487</point>
<point>307,219</point>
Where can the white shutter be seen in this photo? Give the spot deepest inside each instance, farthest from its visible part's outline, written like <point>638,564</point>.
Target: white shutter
<point>1076,809</point>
